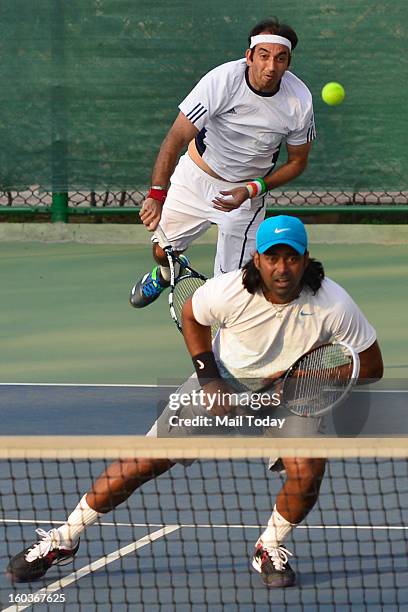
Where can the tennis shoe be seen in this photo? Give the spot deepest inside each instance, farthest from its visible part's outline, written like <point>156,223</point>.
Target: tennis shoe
<point>151,286</point>
<point>33,562</point>
<point>272,563</point>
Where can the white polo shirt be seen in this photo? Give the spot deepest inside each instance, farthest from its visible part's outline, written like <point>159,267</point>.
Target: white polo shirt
<point>241,130</point>
<point>258,339</point>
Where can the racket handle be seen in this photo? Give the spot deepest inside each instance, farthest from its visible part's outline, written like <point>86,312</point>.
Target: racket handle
<point>161,237</point>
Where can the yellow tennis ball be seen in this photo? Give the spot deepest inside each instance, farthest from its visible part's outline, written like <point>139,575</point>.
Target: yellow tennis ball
<point>333,94</point>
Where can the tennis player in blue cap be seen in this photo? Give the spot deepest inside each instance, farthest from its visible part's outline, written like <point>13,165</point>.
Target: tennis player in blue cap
<point>278,307</point>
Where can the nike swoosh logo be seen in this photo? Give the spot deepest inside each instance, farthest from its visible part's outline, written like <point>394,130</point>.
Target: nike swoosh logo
<point>200,364</point>
<point>279,231</point>
<point>306,314</point>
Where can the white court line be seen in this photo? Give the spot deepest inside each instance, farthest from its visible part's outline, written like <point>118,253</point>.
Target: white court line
<point>124,386</point>
<point>380,391</point>
<point>96,565</point>
<point>207,526</point>
<point>122,552</point>
<point>140,386</point>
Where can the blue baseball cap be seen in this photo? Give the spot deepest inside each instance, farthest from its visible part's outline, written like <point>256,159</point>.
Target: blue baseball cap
<point>281,230</point>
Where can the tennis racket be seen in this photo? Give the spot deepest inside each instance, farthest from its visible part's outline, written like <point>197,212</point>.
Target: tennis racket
<point>183,285</point>
<point>317,382</point>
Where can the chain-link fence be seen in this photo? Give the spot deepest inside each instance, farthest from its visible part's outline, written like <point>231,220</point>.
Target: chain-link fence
<point>34,201</point>
<point>91,89</point>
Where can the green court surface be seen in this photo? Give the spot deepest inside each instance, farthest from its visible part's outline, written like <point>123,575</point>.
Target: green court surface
<point>65,316</point>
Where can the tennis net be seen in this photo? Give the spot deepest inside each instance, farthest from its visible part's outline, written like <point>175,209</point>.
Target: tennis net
<point>184,541</point>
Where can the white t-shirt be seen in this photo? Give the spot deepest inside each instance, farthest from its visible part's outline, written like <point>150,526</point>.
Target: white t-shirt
<point>254,342</point>
<point>241,130</point>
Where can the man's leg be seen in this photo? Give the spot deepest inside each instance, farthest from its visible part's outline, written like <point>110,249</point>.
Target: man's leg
<point>184,218</point>
<point>236,236</point>
<point>293,503</point>
<point>58,546</point>
<point>111,489</point>
<point>301,489</point>
<point>152,284</point>
<point>113,486</point>
<point>180,229</point>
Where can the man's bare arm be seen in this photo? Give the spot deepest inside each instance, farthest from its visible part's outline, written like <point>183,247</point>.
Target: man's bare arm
<point>179,135</point>
<point>371,364</point>
<point>292,168</point>
<point>196,336</point>
<point>198,340</point>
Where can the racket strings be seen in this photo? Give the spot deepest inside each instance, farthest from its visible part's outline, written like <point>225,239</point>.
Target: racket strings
<point>319,380</point>
<point>183,290</point>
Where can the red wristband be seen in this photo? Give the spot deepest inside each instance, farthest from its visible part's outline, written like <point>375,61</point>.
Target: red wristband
<point>157,194</point>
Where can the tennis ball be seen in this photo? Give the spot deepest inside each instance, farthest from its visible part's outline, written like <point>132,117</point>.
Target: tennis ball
<point>333,94</point>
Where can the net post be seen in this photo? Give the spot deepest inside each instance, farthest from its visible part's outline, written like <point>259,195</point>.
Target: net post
<point>59,207</point>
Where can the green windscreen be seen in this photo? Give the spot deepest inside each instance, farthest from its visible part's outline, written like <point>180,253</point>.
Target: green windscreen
<point>90,87</point>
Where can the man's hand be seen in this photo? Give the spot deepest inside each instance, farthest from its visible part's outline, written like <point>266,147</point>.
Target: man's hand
<point>272,380</point>
<point>216,397</point>
<point>231,199</point>
<point>150,213</point>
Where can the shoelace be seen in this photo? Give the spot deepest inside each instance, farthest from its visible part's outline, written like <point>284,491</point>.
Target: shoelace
<point>43,547</point>
<point>151,287</point>
<point>279,556</point>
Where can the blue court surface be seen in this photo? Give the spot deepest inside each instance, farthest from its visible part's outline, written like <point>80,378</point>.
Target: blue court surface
<point>184,541</point>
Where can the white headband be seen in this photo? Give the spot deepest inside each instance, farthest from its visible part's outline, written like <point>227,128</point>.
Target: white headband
<point>270,38</point>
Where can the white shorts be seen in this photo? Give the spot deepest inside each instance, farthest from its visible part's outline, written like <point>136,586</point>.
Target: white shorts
<point>188,212</point>
<point>294,427</point>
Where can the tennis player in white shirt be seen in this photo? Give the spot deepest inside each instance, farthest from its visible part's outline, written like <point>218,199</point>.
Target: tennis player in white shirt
<point>277,307</point>
<point>234,121</point>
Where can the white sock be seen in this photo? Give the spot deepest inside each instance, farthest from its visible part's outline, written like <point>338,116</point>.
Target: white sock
<point>165,271</point>
<point>80,518</point>
<point>277,530</point>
